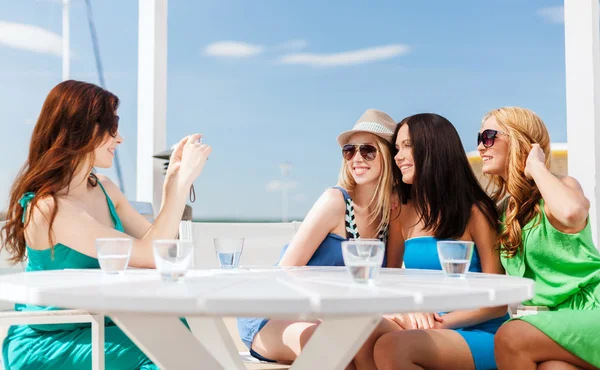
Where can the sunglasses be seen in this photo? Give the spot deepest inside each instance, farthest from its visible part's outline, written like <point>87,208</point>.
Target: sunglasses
<point>488,137</point>
<point>367,151</point>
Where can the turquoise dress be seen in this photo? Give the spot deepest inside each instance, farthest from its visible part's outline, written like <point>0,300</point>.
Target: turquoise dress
<point>67,346</point>
<point>328,253</point>
<point>421,253</point>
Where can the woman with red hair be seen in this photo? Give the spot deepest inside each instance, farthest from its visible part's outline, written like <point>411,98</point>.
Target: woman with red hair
<point>59,207</point>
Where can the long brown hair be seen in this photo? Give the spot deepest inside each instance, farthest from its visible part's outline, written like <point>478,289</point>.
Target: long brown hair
<point>75,119</point>
<point>444,188</point>
<point>524,128</point>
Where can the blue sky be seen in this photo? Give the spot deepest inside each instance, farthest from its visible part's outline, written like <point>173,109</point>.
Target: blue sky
<point>269,81</point>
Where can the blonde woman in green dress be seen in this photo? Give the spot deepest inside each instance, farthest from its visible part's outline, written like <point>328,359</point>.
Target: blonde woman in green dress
<point>545,236</point>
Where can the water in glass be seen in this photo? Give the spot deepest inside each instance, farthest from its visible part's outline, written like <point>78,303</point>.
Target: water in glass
<point>363,259</point>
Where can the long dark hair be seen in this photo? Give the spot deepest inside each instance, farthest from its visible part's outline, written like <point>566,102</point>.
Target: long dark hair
<point>444,187</point>
<point>75,119</point>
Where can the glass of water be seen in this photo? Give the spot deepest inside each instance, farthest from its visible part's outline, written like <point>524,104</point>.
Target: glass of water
<point>113,254</point>
<point>229,251</point>
<point>455,256</point>
<point>363,258</point>
<point>172,258</point>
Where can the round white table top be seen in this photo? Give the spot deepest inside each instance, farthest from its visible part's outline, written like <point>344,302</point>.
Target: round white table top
<point>265,292</point>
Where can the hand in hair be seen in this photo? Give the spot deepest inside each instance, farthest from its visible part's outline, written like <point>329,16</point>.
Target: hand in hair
<point>536,157</point>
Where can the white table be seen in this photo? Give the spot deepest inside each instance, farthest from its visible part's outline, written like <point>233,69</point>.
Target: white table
<point>148,309</point>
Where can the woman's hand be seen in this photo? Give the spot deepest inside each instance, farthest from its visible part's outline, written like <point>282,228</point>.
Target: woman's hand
<point>175,160</point>
<point>535,158</point>
<point>417,320</point>
<point>192,158</point>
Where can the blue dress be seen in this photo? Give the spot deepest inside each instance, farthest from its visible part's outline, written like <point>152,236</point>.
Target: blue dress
<point>328,253</point>
<point>421,253</point>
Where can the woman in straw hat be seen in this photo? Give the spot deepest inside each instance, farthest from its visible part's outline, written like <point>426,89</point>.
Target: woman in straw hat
<point>441,199</point>
<point>546,236</point>
<point>359,206</point>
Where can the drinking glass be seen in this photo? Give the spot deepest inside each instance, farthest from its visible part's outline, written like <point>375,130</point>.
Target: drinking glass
<point>455,256</point>
<point>113,254</point>
<point>363,258</point>
<point>172,258</point>
<point>229,251</point>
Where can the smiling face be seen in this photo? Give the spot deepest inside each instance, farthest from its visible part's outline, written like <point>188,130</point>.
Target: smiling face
<point>105,153</point>
<point>362,169</point>
<point>494,157</point>
<point>404,159</point>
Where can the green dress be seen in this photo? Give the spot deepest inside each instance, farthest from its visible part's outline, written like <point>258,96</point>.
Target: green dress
<point>566,271</point>
<point>67,346</point>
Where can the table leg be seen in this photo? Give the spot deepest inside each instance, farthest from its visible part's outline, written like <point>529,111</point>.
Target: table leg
<point>212,333</point>
<point>335,342</point>
<point>166,341</point>
<point>97,342</point>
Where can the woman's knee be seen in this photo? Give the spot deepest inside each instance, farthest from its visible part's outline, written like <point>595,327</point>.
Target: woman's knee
<point>386,351</point>
<point>511,338</point>
<point>306,334</point>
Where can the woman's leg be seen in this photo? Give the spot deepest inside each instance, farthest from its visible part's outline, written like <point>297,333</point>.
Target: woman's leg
<point>364,359</point>
<point>423,349</point>
<point>520,345</point>
<point>557,365</point>
<point>283,340</point>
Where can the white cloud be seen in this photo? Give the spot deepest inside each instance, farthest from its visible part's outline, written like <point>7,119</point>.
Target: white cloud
<point>293,45</point>
<point>346,58</point>
<point>232,49</point>
<point>32,38</point>
<point>276,185</point>
<point>553,14</point>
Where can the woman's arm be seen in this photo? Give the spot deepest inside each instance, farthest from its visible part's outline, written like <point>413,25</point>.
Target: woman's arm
<point>484,235</point>
<point>395,242</point>
<point>322,219</point>
<point>565,204</point>
<point>76,229</point>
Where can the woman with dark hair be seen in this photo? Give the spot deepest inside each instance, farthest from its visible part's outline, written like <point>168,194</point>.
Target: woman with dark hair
<point>59,207</point>
<point>441,199</point>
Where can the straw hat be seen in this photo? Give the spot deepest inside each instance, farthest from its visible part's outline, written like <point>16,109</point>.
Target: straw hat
<point>372,121</point>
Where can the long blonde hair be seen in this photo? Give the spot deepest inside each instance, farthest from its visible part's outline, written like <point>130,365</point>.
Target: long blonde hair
<point>524,128</point>
<point>382,196</point>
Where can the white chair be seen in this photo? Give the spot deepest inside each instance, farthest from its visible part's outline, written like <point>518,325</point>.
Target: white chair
<point>262,246</point>
<point>8,316</point>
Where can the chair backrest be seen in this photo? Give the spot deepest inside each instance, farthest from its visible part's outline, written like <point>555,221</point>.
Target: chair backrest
<point>262,241</point>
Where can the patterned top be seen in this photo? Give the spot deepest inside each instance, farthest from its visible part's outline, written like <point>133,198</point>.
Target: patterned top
<point>329,252</point>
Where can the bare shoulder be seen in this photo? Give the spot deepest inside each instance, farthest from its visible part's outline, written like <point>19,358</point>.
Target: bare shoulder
<point>42,211</point>
<point>111,188</point>
<point>478,220</point>
<point>333,199</point>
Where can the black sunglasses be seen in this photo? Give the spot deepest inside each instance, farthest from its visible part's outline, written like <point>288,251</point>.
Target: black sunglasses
<point>488,137</point>
<point>367,151</point>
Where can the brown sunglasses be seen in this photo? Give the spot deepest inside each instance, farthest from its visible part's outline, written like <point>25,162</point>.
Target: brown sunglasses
<point>367,151</point>
<point>488,137</point>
